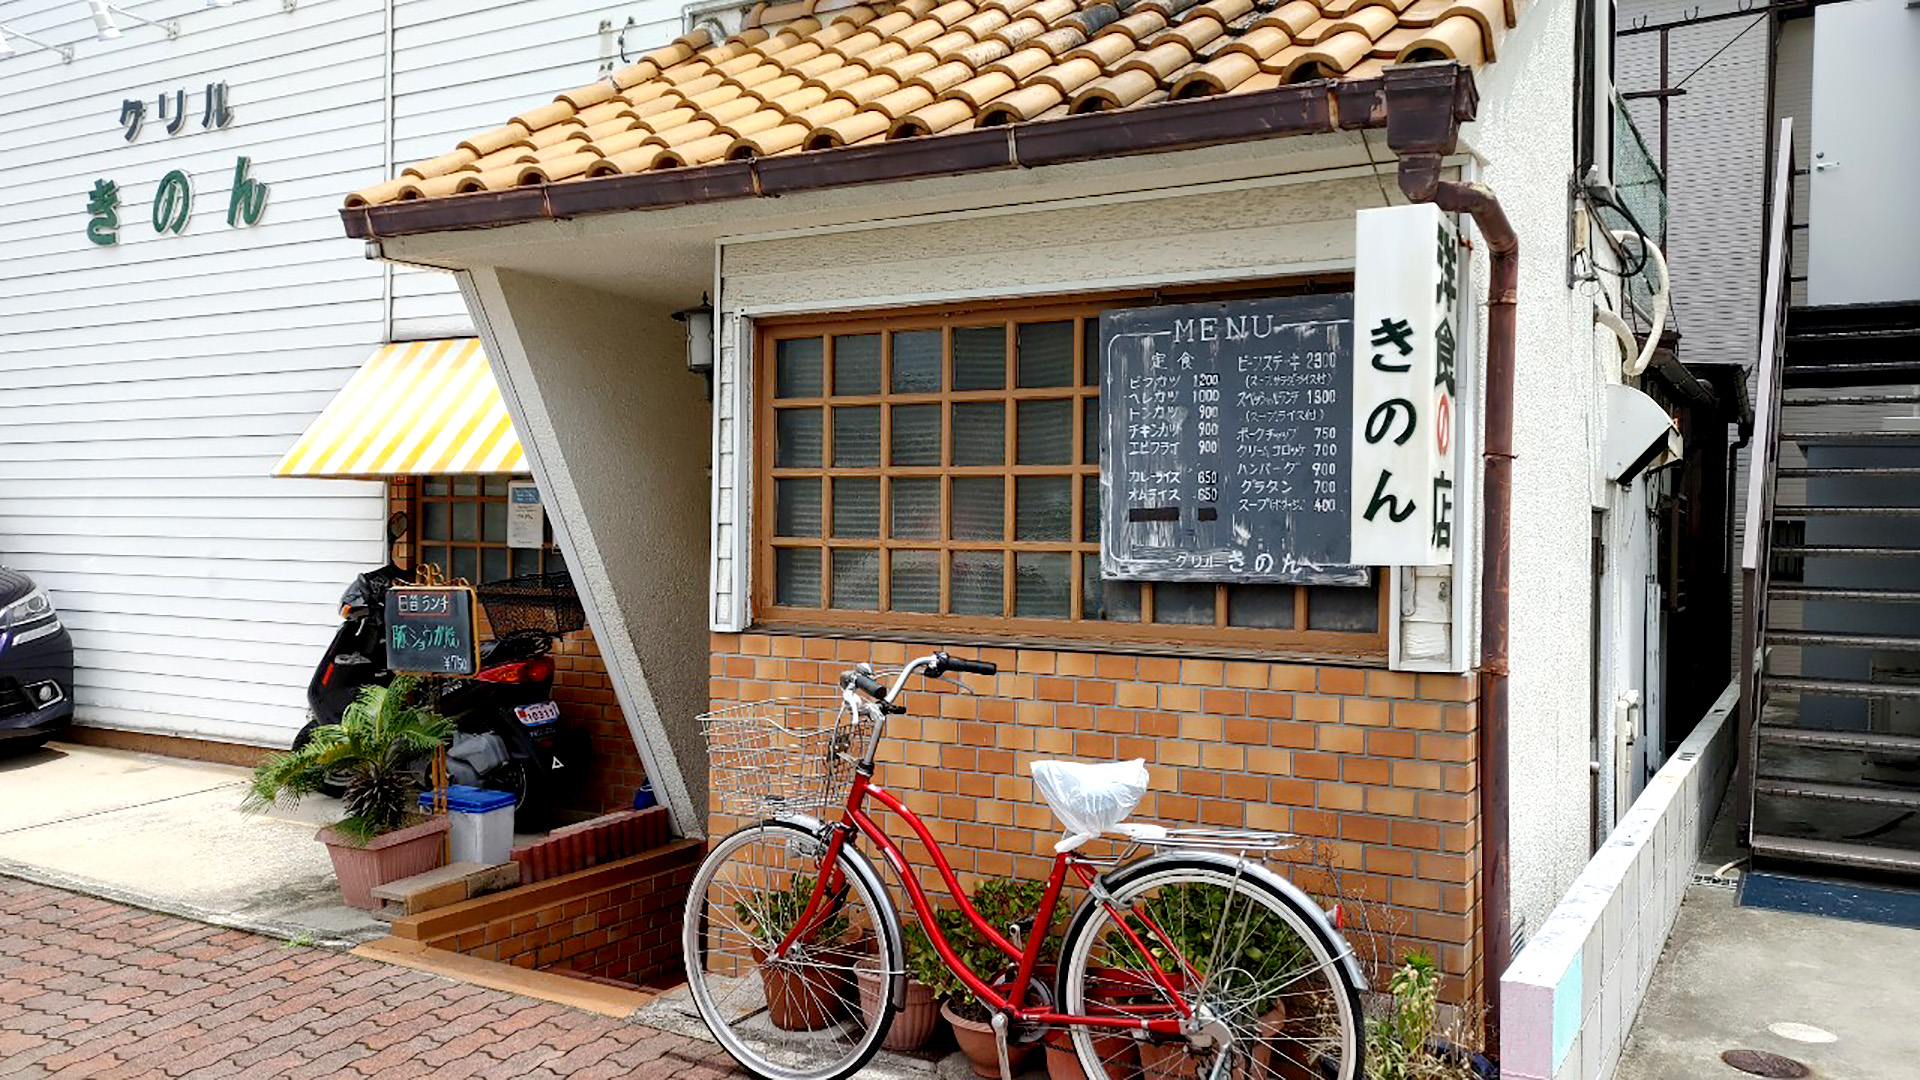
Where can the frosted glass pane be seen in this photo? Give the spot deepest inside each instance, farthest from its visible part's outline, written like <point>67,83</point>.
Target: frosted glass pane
<point>979,358</point>
<point>856,436</point>
<point>434,521</point>
<point>493,522</point>
<point>796,577</point>
<point>796,506</point>
<point>1045,354</point>
<point>856,579</point>
<point>1112,601</point>
<point>797,368</point>
<point>1042,585</point>
<point>1183,603</point>
<point>856,364</point>
<point>916,435</point>
<point>916,508</point>
<point>466,564</point>
<point>979,433</point>
<point>466,521</point>
<point>1265,606</point>
<point>796,438</point>
<point>977,583</point>
<point>916,581</point>
<point>1045,432</point>
<point>1090,509</point>
<point>494,564</point>
<point>1090,431</point>
<point>1343,607</point>
<point>1043,508</point>
<point>916,362</point>
<point>856,506</point>
<point>979,508</point>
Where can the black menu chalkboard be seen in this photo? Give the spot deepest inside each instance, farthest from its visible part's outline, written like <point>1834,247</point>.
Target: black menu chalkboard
<point>1227,442</point>
<point>431,629</point>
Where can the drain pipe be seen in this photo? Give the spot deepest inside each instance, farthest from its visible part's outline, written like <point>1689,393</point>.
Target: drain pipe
<point>1425,104</point>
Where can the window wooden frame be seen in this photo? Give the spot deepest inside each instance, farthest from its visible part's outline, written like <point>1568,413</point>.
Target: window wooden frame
<point>418,542</point>
<point>1083,312</point>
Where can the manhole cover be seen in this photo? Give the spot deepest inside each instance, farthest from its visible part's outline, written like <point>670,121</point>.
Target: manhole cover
<point>1761,1063</point>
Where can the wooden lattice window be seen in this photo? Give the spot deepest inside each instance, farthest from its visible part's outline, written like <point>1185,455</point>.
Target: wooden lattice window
<point>942,470</point>
<point>461,523</point>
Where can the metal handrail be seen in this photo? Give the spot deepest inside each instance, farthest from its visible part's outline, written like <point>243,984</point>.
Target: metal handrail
<point>1763,463</point>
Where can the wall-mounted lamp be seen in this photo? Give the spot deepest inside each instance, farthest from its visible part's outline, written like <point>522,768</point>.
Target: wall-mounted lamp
<point>104,28</point>
<point>699,323</point>
<point>8,33</point>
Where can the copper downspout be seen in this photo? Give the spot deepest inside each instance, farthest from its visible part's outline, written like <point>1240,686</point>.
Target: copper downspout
<point>1423,115</point>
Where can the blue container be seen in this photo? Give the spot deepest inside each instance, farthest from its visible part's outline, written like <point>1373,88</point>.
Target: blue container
<point>643,796</point>
<point>462,799</point>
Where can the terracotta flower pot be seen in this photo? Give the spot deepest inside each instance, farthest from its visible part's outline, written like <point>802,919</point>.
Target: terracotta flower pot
<point>401,853</point>
<point>977,1042</point>
<point>914,1024</point>
<point>1116,1052</point>
<point>799,998</point>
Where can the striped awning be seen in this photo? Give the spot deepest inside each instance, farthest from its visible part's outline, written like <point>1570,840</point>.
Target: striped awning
<point>415,408</point>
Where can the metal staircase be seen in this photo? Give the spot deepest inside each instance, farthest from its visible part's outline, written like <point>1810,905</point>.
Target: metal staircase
<point>1830,570</point>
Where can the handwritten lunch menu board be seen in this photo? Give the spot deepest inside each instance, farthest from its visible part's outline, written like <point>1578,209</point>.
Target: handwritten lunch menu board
<point>1226,441</point>
<point>431,629</point>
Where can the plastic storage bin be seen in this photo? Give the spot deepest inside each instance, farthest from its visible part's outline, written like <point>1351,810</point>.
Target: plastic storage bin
<point>482,823</point>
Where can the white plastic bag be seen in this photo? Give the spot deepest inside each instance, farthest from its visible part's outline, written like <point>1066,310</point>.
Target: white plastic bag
<point>1089,798</point>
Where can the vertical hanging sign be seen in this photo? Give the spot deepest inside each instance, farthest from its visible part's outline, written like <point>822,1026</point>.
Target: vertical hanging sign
<point>1405,305</point>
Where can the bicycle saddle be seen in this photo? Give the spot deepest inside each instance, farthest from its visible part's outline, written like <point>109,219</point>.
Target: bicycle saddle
<point>1090,798</point>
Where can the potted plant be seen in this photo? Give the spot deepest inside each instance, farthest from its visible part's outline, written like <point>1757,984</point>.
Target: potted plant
<point>1001,902</point>
<point>804,991</point>
<point>370,753</point>
<point>1402,1044</point>
<point>919,1016</point>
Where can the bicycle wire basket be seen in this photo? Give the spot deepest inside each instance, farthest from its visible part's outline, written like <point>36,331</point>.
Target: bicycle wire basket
<point>544,602</point>
<point>785,755</point>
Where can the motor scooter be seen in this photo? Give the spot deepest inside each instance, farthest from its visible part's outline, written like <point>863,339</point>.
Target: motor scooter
<point>506,723</point>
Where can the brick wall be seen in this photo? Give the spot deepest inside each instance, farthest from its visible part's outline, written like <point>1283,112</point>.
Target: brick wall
<point>605,776</point>
<point>616,921</point>
<point>1376,767</point>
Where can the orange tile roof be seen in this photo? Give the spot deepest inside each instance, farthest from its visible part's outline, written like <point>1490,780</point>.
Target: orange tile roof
<point>817,74</point>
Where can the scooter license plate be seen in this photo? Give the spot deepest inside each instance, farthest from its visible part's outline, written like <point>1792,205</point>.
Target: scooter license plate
<point>540,712</point>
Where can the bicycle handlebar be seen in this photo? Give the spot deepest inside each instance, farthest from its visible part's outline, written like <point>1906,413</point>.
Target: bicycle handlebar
<point>938,664</point>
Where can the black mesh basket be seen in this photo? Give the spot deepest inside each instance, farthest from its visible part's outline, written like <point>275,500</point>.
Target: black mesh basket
<point>538,602</point>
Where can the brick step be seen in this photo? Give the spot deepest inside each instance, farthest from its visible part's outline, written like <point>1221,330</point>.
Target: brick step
<point>591,843</point>
<point>442,886</point>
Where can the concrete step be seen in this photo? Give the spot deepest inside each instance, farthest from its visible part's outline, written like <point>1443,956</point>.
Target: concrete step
<point>1829,592</point>
<point>1861,794</point>
<point>1837,853</point>
<point>1830,739</point>
<point>1844,688</point>
<point>442,887</point>
<point>1821,639</point>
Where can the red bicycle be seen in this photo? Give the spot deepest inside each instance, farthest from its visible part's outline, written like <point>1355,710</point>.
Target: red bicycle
<point>1196,960</point>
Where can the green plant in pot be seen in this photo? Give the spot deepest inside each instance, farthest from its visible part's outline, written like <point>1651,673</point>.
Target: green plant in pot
<point>1002,902</point>
<point>371,752</point>
<point>811,986</point>
<point>913,1026</point>
<point>1246,957</point>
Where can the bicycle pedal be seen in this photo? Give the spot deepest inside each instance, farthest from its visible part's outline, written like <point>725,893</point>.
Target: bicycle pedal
<point>1000,1045</point>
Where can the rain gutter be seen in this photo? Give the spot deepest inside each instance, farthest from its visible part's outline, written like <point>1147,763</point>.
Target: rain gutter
<point>1424,109</point>
<point>1316,107</point>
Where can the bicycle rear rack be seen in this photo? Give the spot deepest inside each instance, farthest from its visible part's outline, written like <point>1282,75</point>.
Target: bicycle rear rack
<point>1227,840</point>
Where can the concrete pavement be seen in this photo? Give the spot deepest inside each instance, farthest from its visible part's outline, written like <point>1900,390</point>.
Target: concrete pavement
<point>168,834</point>
<point>91,988</point>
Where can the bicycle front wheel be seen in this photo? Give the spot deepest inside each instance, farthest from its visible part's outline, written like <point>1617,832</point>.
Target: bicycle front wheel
<point>1262,981</point>
<point>819,1011</point>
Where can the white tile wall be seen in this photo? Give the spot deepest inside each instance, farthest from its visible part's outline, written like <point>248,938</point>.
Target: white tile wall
<point>1613,922</point>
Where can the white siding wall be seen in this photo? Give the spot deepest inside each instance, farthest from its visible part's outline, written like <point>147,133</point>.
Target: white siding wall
<point>147,388</point>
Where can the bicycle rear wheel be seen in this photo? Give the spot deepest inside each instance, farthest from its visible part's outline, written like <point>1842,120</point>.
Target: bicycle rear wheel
<point>820,1011</point>
<point>1263,981</point>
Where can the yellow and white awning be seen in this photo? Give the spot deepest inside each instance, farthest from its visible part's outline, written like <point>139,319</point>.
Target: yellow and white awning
<point>415,408</point>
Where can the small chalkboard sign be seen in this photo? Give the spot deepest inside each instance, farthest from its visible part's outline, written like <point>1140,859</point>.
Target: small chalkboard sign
<point>432,629</point>
<point>1227,441</point>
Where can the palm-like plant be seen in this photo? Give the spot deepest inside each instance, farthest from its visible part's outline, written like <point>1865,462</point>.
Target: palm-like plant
<point>370,751</point>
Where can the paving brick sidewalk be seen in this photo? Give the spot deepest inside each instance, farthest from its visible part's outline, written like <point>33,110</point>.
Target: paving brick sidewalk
<point>90,988</point>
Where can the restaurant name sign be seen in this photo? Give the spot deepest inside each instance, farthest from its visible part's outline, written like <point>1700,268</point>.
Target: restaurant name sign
<point>173,198</point>
<point>1406,301</point>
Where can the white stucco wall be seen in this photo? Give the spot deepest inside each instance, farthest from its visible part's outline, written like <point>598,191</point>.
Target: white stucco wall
<point>1524,136</point>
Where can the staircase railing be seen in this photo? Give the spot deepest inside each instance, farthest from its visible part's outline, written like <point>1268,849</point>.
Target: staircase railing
<point>1763,462</point>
